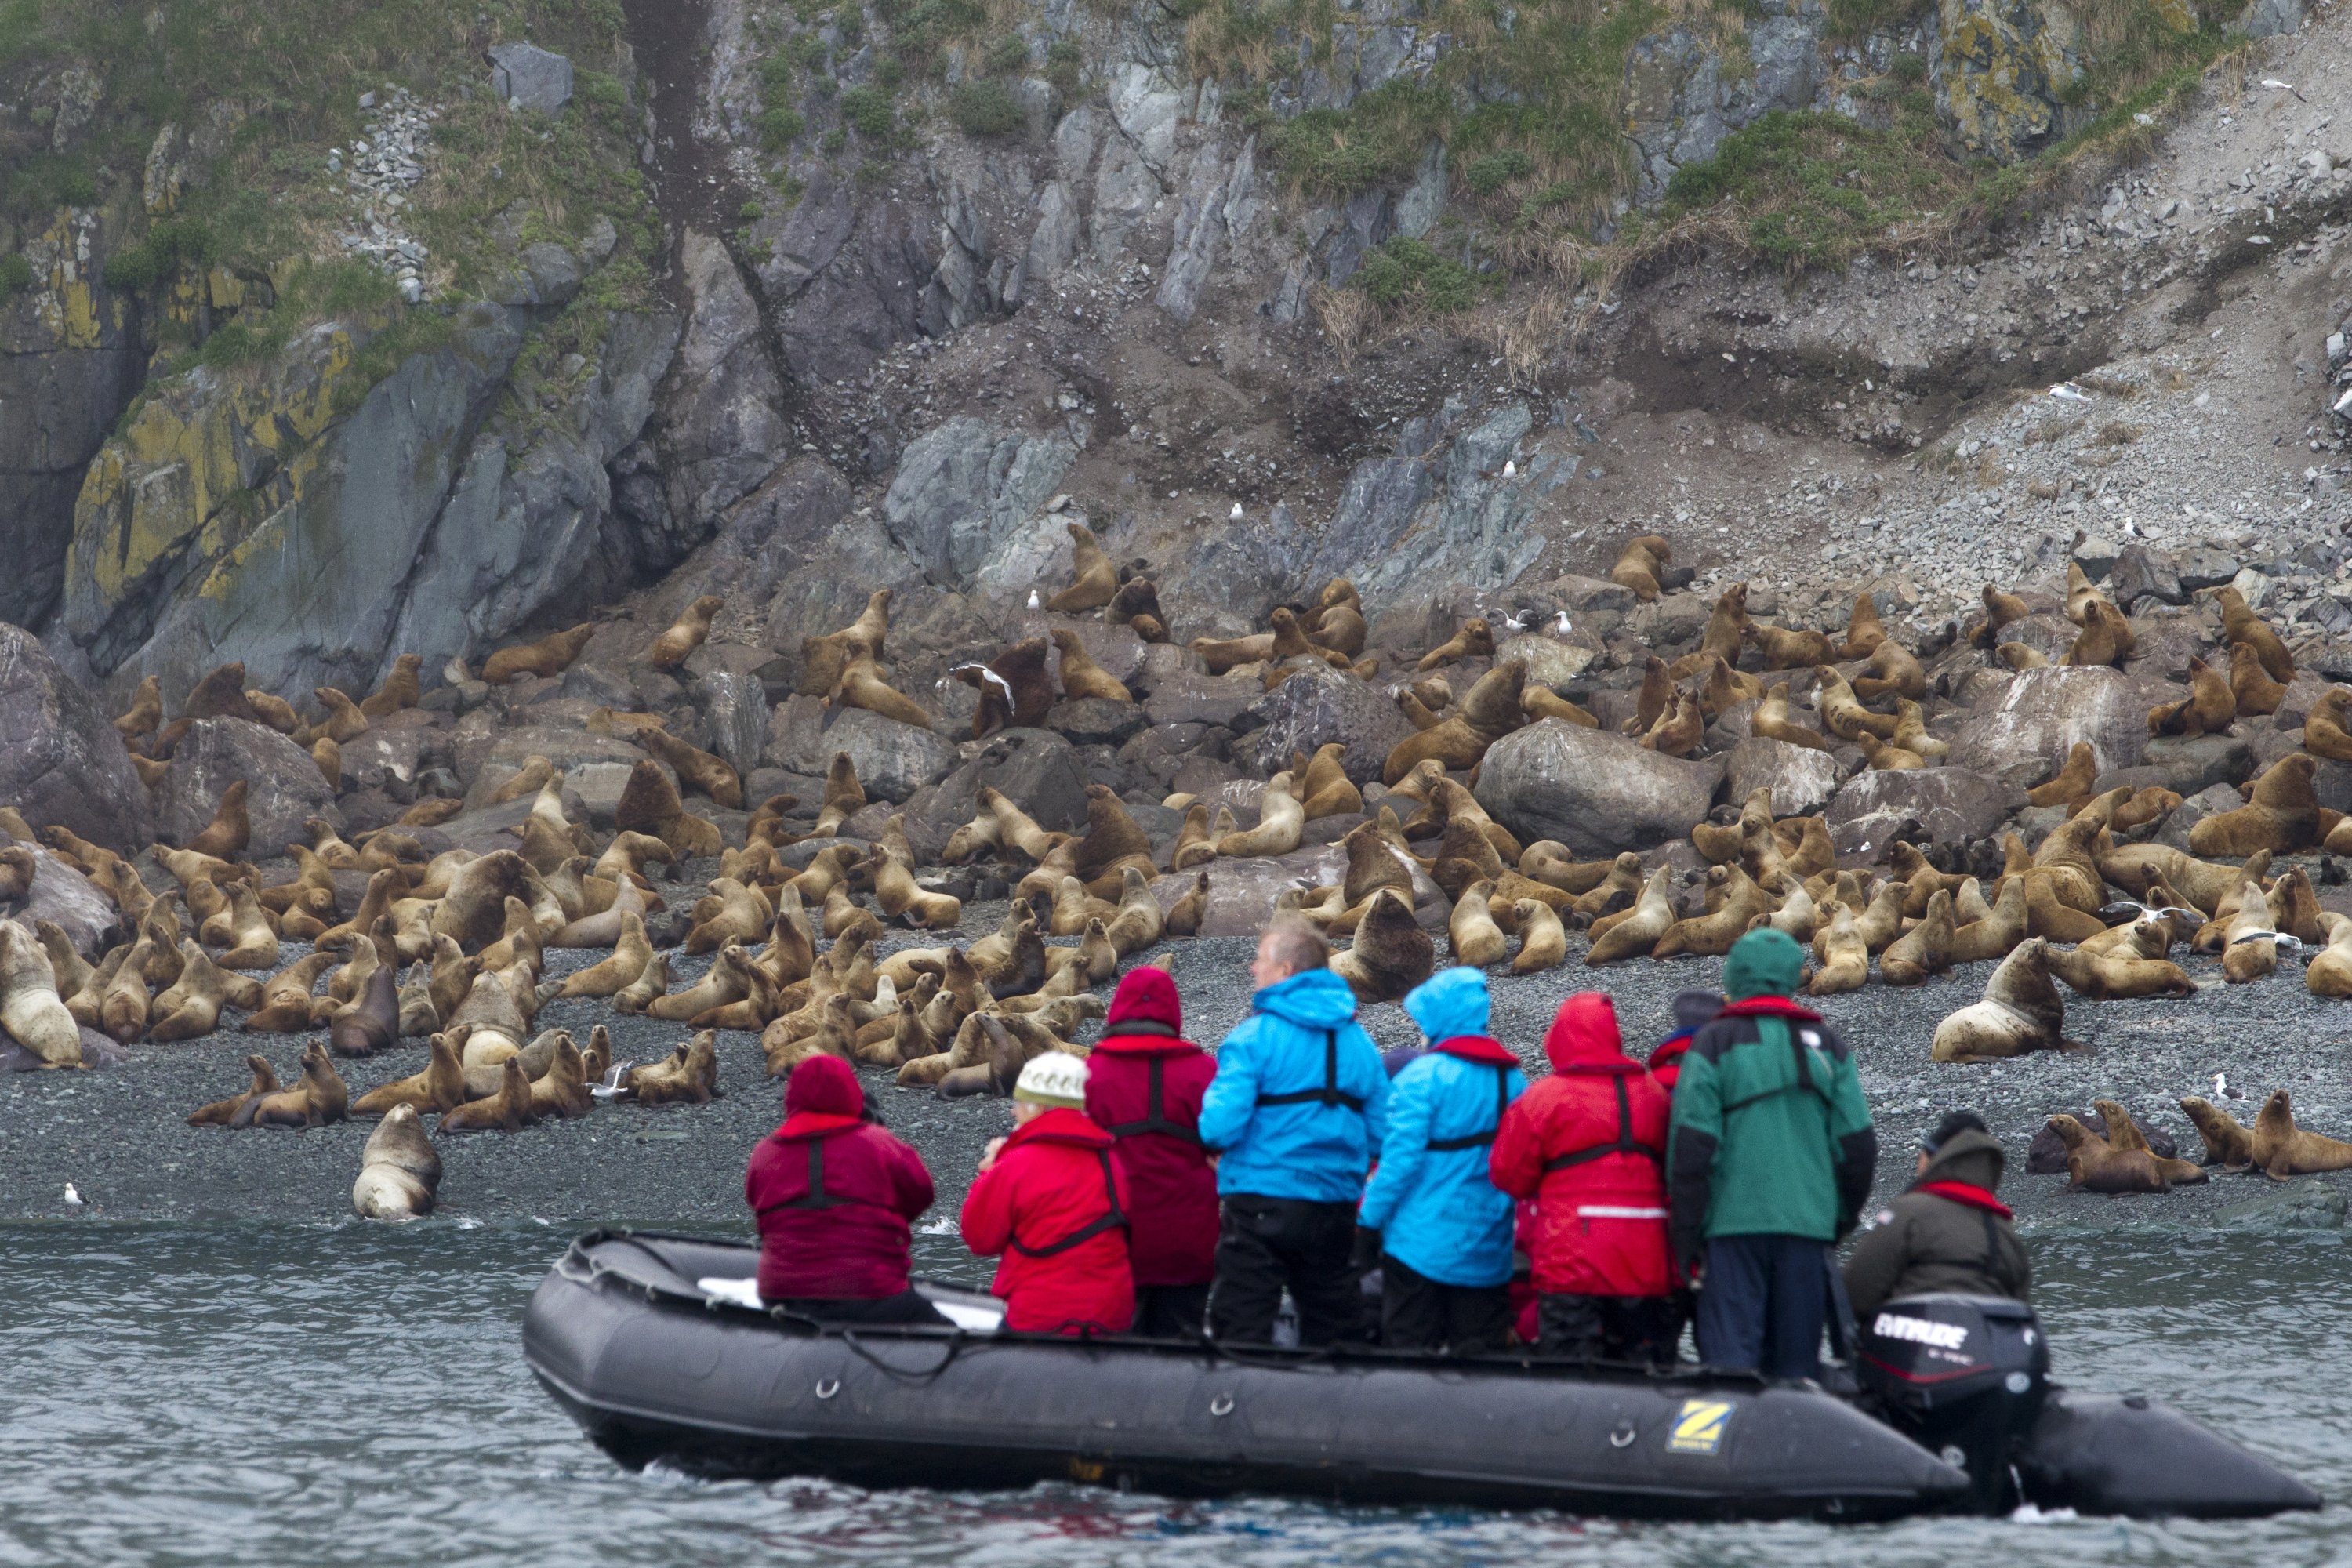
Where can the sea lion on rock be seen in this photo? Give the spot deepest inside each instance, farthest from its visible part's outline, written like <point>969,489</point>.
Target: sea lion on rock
<point>145,712</point>
<point>861,686</point>
<point>1894,673</point>
<point>2227,1143</point>
<point>650,804</point>
<point>686,634</point>
<point>2281,1149</point>
<point>1282,822</point>
<point>822,659</point>
<point>230,830</point>
<point>400,690</point>
<point>224,1112</point>
<point>399,1170</point>
<point>697,769</point>
<point>1390,955</point>
<point>2209,708</point>
<point>2001,609</point>
<point>319,1099</point>
<point>2071,784</point>
<point>1184,916</point>
<point>1843,713</point>
<point>2240,625</point>
<point>273,711</point>
<point>2106,637</point>
<point>1679,730</point>
<point>1081,676</point>
<point>1864,630</point>
<point>2019,658</point>
<point>1886,756</point>
<point>1773,721</point>
<point>2324,733</point>
<point>1487,711</point>
<point>1640,565</point>
<point>2021,1011</point>
<point>1649,703</point>
<point>220,695</point>
<point>1474,639</point>
<point>1221,655</point>
<point>1096,581</point>
<point>550,656</point>
<point>1786,649</point>
<point>2281,814</point>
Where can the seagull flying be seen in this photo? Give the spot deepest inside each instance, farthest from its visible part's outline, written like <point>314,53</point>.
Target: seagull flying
<point>1514,623</point>
<point>2067,392</point>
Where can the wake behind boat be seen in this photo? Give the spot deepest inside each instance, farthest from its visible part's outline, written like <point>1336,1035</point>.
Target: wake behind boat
<point>650,1343</point>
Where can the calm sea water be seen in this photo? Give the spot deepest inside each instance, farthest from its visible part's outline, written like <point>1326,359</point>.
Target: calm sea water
<point>356,1395</point>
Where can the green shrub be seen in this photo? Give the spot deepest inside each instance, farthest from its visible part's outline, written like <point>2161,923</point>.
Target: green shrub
<point>986,108</point>
<point>168,243</point>
<point>1011,53</point>
<point>806,50</point>
<point>1064,65</point>
<point>867,111</point>
<point>1409,272</point>
<point>833,142</point>
<point>1492,173</point>
<point>16,273</point>
<point>779,126</point>
<point>1909,67</point>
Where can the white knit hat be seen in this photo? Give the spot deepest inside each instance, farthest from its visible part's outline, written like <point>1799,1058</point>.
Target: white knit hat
<point>1055,1077</point>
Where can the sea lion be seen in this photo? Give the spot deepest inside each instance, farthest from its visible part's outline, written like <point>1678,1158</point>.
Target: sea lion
<point>1487,711</point>
<point>1636,931</point>
<point>2329,972</point>
<point>1640,565</point>
<point>2123,1135</point>
<point>1282,822</point>
<point>861,686</point>
<point>1094,575</point>
<point>31,1011</point>
<point>273,711</point>
<point>1138,923</point>
<point>1885,755</point>
<point>2094,1165</point>
<point>1736,900</point>
<point>822,659</point>
<point>2281,1149</point>
<point>2209,708</point>
<point>1651,701</point>
<point>993,710</point>
<point>1679,730</point>
<point>1843,713</point>
<point>18,867</point>
<point>2001,609</point>
<point>1864,630</point>
<point>2281,814</point>
<point>317,1100</point>
<point>1390,955</point>
<point>230,830</point>
<point>697,769</point>
<point>2021,1011</point>
<point>1475,638</point>
<point>650,804</point>
<point>562,1092</point>
<point>220,695</point>
<point>441,1085</point>
<point>688,1076</point>
<point>2105,640</point>
<point>1193,847</point>
<point>686,634</point>
<point>2019,658</point>
<point>190,1007</point>
<point>1111,841</point>
<point>550,656</point>
<point>1923,951</point>
<point>1773,721</point>
<point>535,774</point>
<point>224,1112</point>
<point>1324,787</point>
<point>431,811</point>
<point>1221,655</point>
<point>2240,625</point>
<point>1786,649</point>
<point>1543,941</point>
<point>2324,731</point>
<point>399,1170</point>
<point>1185,915</point>
<point>1721,688</point>
<point>145,712</point>
<point>1844,956</point>
<point>371,1023</point>
<point>400,690</point>
<point>2115,974</point>
<point>1894,673</point>
<point>344,721</point>
<point>328,758</point>
<point>649,985</point>
<point>1471,932</point>
<point>2228,1144</point>
<point>2071,784</point>
<point>1081,676</point>
<point>508,1110</point>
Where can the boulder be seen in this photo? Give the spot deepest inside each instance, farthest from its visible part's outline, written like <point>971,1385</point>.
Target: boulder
<point>600,786</point>
<point>1096,720</point>
<point>61,761</point>
<point>893,760</point>
<point>1802,780</point>
<point>2184,764</point>
<point>1596,792</point>
<point>59,893</point>
<point>485,757</point>
<point>1036,769</point>
<point>382,759</point>
<point>1319,705</point>
<point>1949,805</point>
<point>1550,661</point>
<point>2026,734</point>
<point>2210,802</point>
<point>283,785</point>
<point>1188,697</point>
<point>2201,566</point>
<point>2302,694</point>
<point>736,706</point>
<point>528,77</point>
<point>962,490</point>
<point>2141,572</point>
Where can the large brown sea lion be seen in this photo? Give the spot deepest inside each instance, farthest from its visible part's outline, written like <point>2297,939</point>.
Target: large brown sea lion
<point>2071,784</point>
<point>224,1112</point>
<point>1634,931</point>
<point>1774,721</point>
<point>2324,731</point>
<point>1487,711</point>
<point>1081,676</point>
<point>1096,580</point>
<point>650,804</point>
<point>31,1011</point>
<point>686,634</point>
<point>1641,564</point>
<point>2115,974</point>
<point>550,655</point>
<point>1474,639</point>
<point>2093,1164</point>
<point>2228,1144</point>
<point>1894,673</point>
<point>861,686</point>
<point>2209,708</point>
<point>1864,630</point>
<point>688,1076</point>
<point>1471,932</point>
<point>371,1023</point>
<point>2281,814</point>
<point>319,1099</point>
<point>2021,1011</point>
<point>2240,625</point>
<point>441,1085</point>
<point>399,1170</point>
<point>1390,955</point>
<point>822,659</point>
<point>400,690</point>
<point>2281,1149</point>
<point>2106,637</point>
<point>508,1110</point>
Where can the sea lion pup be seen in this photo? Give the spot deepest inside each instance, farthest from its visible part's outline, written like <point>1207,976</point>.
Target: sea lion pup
<point>371,1023</point>
<point>319,1099</point>
<point>1488,711</point>
<point>1923,951</point>
<point>1472,639</point>
<point>550,656</point>
<point>688,1076</point>
<point>2281,1149</point>
<point>2228,1144</point>
<point>1737,900</point>
<point>220,695</point>
<point>2106,638</point>
<point>224,1112</point>
<point>230,830</point>
<point>1390,955</point>
<point>400,690</point>
<point>2017,657</point>
<point>1640,565</point>
<point>1679,730</point>
<point>2240,625</point>
<point>1886,756</point>
<point>1324,787</point>
<point>1081,676</point>
<point>1773,721</point>
<point>2071,784</point>
<point>1650,702</point>
<point>1193,847</point>
<point>1471,932</point>
<point>440,1087</point>
<point>534,775</point>
<point>1543,941</point>
<point>31,1012</point>
<point>1843,713</point>
<point>1185,915</point>
<point>2208,710</point>
<point>2324,731</point>
<point>1096,576</point>
<point>650,804</point>
<point>1281,822</point>
<point>1784,649</point>
<point>508,1110</point>
<point>2281,814</point>
<point>1894,673</point>
<point>1634,932</point>
<point>2093,1164</point>
<point>861,686</point>
<point>399,1170</point>
<point>2021,1011</point>
<point>1864,630</point>
<point>686,634</point>
<point>146,711</point>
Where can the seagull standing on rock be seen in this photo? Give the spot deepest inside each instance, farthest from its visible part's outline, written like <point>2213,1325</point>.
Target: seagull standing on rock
<point>1560,629</point>
<point>1034,602</point>
<point>1235,515</point>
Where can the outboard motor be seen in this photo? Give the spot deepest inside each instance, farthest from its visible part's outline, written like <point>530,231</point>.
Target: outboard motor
<point>1965,1377</point>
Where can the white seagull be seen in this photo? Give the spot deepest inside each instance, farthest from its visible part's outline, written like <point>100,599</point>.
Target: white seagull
<point>1562,629</point>
<point>1509,467</point>
<point>1235,515</point>
<point>73,1198</point>
<point>1034,602</point>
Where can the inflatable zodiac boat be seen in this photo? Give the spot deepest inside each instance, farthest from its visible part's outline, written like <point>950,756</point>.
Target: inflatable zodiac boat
<point>656,1346</point>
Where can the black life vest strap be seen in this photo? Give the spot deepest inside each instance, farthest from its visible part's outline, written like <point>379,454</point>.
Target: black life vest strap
<point>816,1197</point>
<point>1328,1095</point>
<point>1480,1140</point>
<point>1112,1218</point>
<point>1805,1080</point>
<point>1155,1110</point>
<point>1625,1144</point>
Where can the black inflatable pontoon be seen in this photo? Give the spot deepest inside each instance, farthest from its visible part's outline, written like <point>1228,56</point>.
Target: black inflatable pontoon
<point>646,1341</point>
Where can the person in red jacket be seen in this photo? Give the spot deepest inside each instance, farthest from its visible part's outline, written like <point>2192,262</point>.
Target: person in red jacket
<point>1693,1011</point>
<point>834,1193</point>
<point>1050,1201</point>
<point>1144,1084</point>
<point>1588,1144</point>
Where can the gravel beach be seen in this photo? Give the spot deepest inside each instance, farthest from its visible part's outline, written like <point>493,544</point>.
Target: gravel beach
<point>120,1134</point>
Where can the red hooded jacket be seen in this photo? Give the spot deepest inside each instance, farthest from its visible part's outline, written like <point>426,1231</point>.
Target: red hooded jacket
<point>1600,1209</point>
<point>1171,1187</point>
<point>834,1193</point>
<point>1053,1184</point>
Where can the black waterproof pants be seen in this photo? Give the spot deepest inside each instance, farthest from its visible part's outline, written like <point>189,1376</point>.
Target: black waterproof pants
<point>1418,1313</point>
<point>1266,1244</point>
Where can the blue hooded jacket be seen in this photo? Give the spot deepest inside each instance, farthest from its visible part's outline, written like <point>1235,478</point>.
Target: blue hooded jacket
<point>1436,1210</point>
<point>1303,1149</point>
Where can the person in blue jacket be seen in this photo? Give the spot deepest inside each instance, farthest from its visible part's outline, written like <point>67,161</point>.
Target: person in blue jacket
<point>1445,1230</point>
<point>1295,1113</point>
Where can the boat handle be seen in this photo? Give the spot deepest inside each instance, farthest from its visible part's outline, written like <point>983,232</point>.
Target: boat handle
<point>827,1387</point>
<point>1222,1405</point>
<point>1622,1437</point>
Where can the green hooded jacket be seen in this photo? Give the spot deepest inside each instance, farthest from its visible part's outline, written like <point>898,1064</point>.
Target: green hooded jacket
<point>1772,1135</point>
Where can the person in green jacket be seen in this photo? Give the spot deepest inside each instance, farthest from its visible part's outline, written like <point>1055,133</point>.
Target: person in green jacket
<point>1770,1161</point>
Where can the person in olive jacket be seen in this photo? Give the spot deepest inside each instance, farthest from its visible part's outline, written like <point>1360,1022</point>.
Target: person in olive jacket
<point>1947,1232</point>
